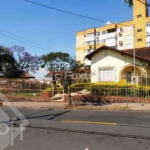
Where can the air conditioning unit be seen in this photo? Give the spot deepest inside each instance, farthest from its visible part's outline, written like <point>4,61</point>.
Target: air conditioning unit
<point>134,79</point>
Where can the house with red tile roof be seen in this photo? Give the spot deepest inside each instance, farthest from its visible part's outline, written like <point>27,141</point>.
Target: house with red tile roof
<point>109,64</point>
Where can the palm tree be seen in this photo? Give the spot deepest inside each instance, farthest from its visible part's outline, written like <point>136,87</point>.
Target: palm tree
<point>129,2</point>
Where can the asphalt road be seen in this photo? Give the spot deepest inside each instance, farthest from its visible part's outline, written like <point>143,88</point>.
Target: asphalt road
<point>77,130</point>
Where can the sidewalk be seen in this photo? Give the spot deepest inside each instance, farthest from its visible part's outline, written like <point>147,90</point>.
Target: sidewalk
<point>61,105</point>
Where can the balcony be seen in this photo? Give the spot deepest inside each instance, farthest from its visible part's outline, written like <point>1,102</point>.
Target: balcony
<point>111,35</point>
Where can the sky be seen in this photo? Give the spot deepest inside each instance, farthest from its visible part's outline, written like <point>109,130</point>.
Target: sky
<point>54,30</point>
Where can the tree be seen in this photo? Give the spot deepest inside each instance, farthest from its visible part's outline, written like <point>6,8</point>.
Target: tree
<point>129,2</point>
<point>59,62</point>
<point>25,61</point>
<point>15,61</point>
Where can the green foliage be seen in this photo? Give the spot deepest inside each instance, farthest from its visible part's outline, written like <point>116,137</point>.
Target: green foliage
<point>129,2</point>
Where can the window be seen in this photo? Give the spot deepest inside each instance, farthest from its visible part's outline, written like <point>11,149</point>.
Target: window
<point>98,41</point>
<point>129,37</point>
<point>138,16</point>
<point>84,35</point>
<point>148,24</point>
<point>148,43</point>
<point>106,74</point>
<point>129,46</point>
<point>139,40</point>
<point>147,34</point>
<point>104,32</point>
<point>90,42</point>
<point>90,34</point>
<point>129,28</point>
<point>139,30</point>
<point>98,33</point>
<point>103,41</point>
<point>120,30</point>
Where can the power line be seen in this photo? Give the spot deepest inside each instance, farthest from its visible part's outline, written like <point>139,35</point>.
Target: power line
<point>23,42</point>
<point>27,40</point>
<point>64,11</point>
<point>71,13</point>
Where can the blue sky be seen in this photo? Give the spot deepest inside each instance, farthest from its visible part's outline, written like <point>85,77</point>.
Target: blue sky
<point>52,28</point>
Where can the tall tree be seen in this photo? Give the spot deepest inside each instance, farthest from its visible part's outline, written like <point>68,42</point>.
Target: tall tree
<point>25,61</point>
<point>59,62</point>
<point>15,61</point>
<point>129,2</point>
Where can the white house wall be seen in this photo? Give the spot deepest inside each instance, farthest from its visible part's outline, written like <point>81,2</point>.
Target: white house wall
<point>111,59</point>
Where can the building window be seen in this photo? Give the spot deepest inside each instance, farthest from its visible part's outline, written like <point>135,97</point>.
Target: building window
<point>104,32</point>
<point>120,30</point>
<point>147,34</point>
<point>90,34</point>
<point>103,41</point>
<point>148,43</point>
<point>90,42</point>
<point>139,40</point>
<point>139,30</point>
<point>138,16</point>
<point>129,46</point>
<point>129,37</point>
<point>148,24</point>
<point>98,33</point>
<point>98,41</point>
<point>129,28</point>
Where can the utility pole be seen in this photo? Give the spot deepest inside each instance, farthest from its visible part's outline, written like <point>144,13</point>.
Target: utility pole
<point>134,57</point>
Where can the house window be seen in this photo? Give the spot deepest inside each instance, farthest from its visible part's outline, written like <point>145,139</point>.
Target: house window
<point>106,74</point>
<point>139,40</point>
<point>104,32</point>
<point>139,30</point>
<point>140,15</point>
<point>148,24</point>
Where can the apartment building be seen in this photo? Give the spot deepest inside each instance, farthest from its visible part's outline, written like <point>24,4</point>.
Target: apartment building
<point>123,35</point>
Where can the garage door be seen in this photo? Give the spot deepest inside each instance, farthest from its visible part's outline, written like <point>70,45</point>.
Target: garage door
<point>106,74</point>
